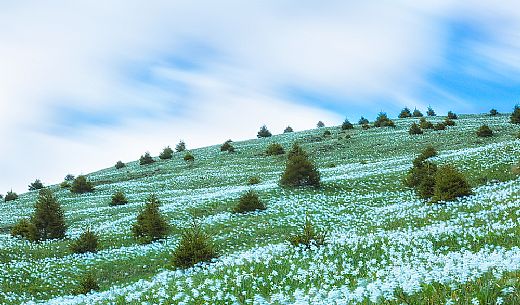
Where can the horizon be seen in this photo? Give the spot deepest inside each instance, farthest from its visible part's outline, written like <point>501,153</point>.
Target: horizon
<point>84,85</point>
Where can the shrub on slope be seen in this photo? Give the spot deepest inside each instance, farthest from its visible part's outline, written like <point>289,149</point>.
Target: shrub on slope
<point>150,225</point>
<point>195,247</point>
<point>299,170</point>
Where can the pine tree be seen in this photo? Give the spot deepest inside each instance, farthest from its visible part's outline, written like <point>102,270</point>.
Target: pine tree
<point>189,159</point>
<point>288,129</point>
<point>450,184</point>
<point>346,125</point>
<point>493,112</point>
<point>227,146</point>
<point>320,124</point>
<point>308,237</point>
<point>10,196</point>
<point>515,116</point>
<point>146,159</point>
<point>416,113</point>
<point>264,132</point>
<point>69,177</point>
<point>274,149</point>
<point>439,126</point>
<point>36,185</point>
<point>299,170</point>
<point>181,146</point>
<point>49,217</point>
<point>425,124</point>
<point>249,202</point>
<point>87,242</point>
<point>167,153</point>
<point>88,284</point>
<point>195,247</point>
<point>118,198</point>
<point>363,121</point>
<point>452,115</point>
<point>24,228</point>
<point>119,165</point>
<point>405,113</point>
<point>415,129</point>
<point>430,111</point>
<point>484,131</point>
<point>81,185</point>
<point>150,225</point>
<point>382,120</point>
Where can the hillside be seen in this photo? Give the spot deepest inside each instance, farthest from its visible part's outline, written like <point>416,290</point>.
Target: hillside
<point>383,242</point>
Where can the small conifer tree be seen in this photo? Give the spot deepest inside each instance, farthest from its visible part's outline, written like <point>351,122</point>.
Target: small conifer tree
<point>274,149</point>
<point>288,129</point>
<point>425,124</point>
<point>181,146</point>
<point>320,124</point>
<point>415,129</point>
<point>430,111</point>
<point>227,146</point>
<point>253,180</point>
<point>150,225</point>
<point>69,178</point>
<point>405,113</point>
<point>10,196</point>
<point>167,153</point>
<point>299,170</point>
<point>450,184</point>
<point>493,112</point>
<point>449,122</point>
<point>146,159</point>
<point>36,185</point>
<point>189,159</point>
<point>382,120</point>
<point>81,185</point>
<point>363,121</point>
<point>24,228</point>
<point>428,152</point>
<point>88,284</point>
<point>417,113</point>
<point>515,116</point>
<point>119,165</point>
<point>484,131</point>
<point>195,247</point>
<point>309,236</point>
<point>249,202</point>
<point>49,217</point>
<point>118,198</point>
<point>346,125</point>
<point>439,126</point>
<point>264,132</point>
<point>87,242</point>
<point>452,115</point>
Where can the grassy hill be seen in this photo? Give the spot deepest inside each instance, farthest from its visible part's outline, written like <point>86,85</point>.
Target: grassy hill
<point>384,245</point>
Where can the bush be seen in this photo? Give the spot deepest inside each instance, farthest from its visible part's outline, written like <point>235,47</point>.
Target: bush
<point>253,180</point>
<point>10,196</point>
<point>346,125</point>
<point>288,129</point>
<point>425,124</point>
<point>428,152</point>
<point>484,131</point>
<point>119,165</point>
<point>86,242</point>
<point>249,202</point>
<point>24,228</point>
<point>195,247</point>
<point>449,122</point>
<point>150,225</point>
<point>440,126</point>
<point>515,116</point>
<point>382,120</point>
<point>416,113</point>
<point>449,184</point>
<point>81,185</point>
<point>181,146</point>
<point>363,121</point>
<point>36,185</point>
<point>87,284</point>
<point>264,132</point>
<point>146,159</point>
<point>493,112</point>
<point>452,116</point>
<point>320,124</point>
<point>274,149</point>
<point>118,198</point>
<point>365,126</point>
<point>308,237</point>
<point>327,133</point>
<point>69,177</point>
<point>227,146</point>
<point>421,176</point>
<point>65,185</point>
<point>299,170</point>
<point>189,158</point>
<point>49,217</point>
<point>405,113</point>
<point>415,129</point>
<point>430,111</point>
<point>167,153</point>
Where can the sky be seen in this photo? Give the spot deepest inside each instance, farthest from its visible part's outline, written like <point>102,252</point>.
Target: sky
<point>84,84</point>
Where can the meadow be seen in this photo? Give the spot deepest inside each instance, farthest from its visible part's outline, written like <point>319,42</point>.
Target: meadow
<point>384,245</point>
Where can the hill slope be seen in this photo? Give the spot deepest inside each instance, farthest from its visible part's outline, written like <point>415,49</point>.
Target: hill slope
<point>383,242</point>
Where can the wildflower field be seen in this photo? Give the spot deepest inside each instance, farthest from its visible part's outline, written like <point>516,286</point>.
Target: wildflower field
<point>383,245</point>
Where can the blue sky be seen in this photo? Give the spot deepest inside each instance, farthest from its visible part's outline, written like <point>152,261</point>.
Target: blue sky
<point>86,83</point>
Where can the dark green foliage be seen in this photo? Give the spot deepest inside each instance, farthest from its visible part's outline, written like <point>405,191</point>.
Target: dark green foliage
<point>288,129</point>
<point>421,176</point>
<point>425,124</point>
<point>331,165</point>
<point>146,159</point>
<point>449,122</point>
<point>10,196</point>
<point>327,133</point>
<point>86,242</point>
<point>249,202</point>
<point>382,120</point>
<point>118,198</point>
<point>299,170</point>
<point>264,132</point>
<point>363,121</point>
<point>36,185</point>
<point>195,247</point>
<point>81,185</point>
<point>346,125</point>
<point>49,217</point>
<point>405,113</point>
<point>167,153</point>
<point>493,112</point>
<point>119,165</point>
<point>69,177</point>
<point>417,113</point>
<point>150,225</point>
<point>65,185</point>
<point>24,228</point>
<point>452,116</point>
<point>430,111</point>
<point>253,180</point>
<point>440,126</point>
<point>308,237</point>
<point>181,146</point>
<point>87,284</point>
<point>227,146</point>
<point>517,136</point>
<point>484,131</point>
<point>189,158</point>
<point>320,124</point>
<point>274,149</point>
<point>415,129</point>
<point>428,152</point>
<point>515,116</point>
<point>450,184</point>
<point>365,126</point>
